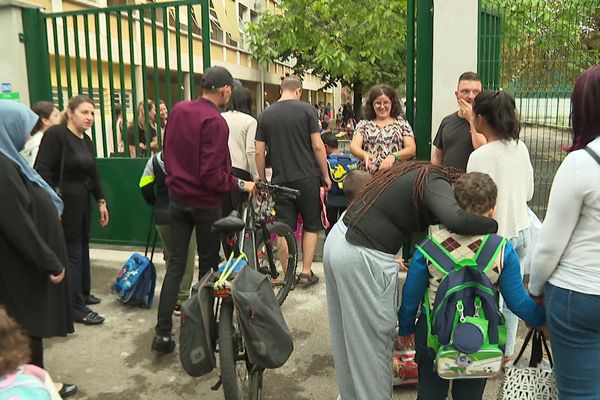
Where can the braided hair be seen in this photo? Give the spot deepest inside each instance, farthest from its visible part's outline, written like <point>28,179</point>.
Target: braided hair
<point>384,178</point>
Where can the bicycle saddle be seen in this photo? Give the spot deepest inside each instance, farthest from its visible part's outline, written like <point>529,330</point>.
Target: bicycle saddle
<point>229,225</point>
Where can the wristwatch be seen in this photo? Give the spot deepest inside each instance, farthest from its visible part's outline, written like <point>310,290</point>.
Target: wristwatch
<point>241,184</point>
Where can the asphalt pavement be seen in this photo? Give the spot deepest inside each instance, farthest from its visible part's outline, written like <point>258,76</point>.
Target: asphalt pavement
<point>113,361</point>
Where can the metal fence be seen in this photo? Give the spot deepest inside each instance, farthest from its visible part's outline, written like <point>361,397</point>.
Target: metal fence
<point>535,49</point>
<point>124,56</point>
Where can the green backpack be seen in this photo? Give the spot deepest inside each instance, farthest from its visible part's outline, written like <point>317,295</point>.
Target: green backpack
<point>465,328</point>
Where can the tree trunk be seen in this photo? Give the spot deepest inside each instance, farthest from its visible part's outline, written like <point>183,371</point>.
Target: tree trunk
<point>357,88</point>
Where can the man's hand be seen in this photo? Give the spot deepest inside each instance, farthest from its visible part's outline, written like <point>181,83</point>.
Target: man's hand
<point>327,183</point>
<point>465,110</point>
<point>388,162</point>
<point>404,342</point>
<point>249,187</point>
<point>56,279</point>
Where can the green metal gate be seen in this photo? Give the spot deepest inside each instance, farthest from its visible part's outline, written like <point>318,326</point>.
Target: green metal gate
<point>535,49</point>
<point>119,56</point>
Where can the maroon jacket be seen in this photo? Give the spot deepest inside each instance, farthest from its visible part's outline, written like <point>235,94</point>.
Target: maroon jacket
<point>196,155</point>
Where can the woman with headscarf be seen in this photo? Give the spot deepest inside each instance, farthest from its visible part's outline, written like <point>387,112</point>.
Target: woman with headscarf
<point>33,276</point>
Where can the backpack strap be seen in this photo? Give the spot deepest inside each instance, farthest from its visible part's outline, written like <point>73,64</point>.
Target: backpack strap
<point>488,251</point>
<point>592,153</point>
<point>437,255</point>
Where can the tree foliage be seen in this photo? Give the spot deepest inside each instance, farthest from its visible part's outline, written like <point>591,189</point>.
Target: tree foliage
<point>353,42</point>
<point>545,44</point>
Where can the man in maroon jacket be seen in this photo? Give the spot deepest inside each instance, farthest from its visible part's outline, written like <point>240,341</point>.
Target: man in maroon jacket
<point>198,167</point>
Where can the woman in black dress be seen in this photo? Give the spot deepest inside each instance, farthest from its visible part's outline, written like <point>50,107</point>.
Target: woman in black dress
<point>34,280</point>
<point>66,161</point>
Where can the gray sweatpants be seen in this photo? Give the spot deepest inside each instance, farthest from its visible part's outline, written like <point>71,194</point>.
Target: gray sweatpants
<point>362,287</point>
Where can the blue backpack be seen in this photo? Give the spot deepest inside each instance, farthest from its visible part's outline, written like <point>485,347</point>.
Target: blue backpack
<point>340,165</point>
<point>136,281</point>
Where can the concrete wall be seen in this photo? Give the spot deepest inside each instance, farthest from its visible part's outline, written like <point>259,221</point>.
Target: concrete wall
<point>454,52</point>
<point>13,67</point>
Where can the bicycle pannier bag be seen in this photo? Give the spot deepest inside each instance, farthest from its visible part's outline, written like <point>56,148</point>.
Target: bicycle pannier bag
<point>268,339</point>
<point>197,337</point>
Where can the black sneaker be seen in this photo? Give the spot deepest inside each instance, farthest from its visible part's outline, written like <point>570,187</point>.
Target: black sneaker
<point>90,299</point>
<point>163,344</point>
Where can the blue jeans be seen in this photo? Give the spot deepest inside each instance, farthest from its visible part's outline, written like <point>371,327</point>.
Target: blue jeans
<point>574,323</point>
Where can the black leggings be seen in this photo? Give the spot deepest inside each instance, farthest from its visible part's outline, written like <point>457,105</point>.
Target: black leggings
<point>37,351</point>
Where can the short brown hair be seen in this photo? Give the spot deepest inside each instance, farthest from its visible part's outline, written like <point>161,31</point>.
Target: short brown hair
<point>469,76</point>
<point>476,192</point>
<point>14,344</point>
<point>355,182</point>
<point>291,83</point>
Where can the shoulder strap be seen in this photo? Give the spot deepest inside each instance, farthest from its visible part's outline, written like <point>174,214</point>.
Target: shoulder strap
<point>437,255</point>
<point>592,153</point>
<point>488,251</point>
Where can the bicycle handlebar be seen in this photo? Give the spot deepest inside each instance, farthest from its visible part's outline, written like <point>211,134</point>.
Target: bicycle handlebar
<point>293,193</point>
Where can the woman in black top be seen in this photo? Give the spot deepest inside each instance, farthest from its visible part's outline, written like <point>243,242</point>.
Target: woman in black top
<point>34,280</point>
<point>361,273</point>
<point>66,161</point>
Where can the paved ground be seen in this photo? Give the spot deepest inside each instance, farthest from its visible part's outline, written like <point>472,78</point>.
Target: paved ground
<point>113,361</point>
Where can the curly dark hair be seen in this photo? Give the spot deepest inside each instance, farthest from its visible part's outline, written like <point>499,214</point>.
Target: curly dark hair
<point>375,92</point>
<point>14,344</point>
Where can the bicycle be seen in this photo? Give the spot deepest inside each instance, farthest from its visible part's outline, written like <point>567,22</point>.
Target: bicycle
<point>254,232</point>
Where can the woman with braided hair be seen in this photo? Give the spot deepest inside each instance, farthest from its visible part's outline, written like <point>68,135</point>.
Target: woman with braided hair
<point>361,274</point>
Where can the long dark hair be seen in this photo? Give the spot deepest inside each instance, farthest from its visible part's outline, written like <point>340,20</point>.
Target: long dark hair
<point>499,110</point>
<point>375,92</point>
<point>585,118</point>
<point>384,178</point>
<point>240,100</point>
<point>43,109</point>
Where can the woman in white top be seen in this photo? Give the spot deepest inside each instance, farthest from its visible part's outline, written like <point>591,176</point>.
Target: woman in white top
<point>242,133</point>
<point>49,116</point>
<point>565,267</point>
<point>506,159</point>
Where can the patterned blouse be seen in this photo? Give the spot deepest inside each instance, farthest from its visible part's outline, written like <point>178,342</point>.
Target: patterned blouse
<point>382,141</point>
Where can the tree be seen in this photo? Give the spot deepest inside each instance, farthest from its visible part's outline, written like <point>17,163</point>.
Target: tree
<point>355,42</point>
<point>546,43</point>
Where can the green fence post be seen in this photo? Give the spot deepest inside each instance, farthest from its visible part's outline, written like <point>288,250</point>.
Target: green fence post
<point>410,62</point>
<point>35,38</point>
<point>205,34</point>
<point>424,78</point>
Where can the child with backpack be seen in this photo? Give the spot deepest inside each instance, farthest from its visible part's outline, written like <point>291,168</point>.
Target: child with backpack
<point>19,380</point>
<point>340,165</point>
<point>460,332</point>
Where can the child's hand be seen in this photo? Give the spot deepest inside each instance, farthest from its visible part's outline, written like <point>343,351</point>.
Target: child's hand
<point>404,342</point>
<point>403,267</point>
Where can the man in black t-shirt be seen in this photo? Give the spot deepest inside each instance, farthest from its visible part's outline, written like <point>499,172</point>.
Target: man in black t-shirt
<point>290,130</point>
<point>457,137</point>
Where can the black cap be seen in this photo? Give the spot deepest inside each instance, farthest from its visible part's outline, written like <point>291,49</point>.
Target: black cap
<point>216,77</point>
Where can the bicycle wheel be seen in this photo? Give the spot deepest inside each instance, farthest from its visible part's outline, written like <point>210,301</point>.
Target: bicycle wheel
<point>241,380</point>
<point>269,258</point>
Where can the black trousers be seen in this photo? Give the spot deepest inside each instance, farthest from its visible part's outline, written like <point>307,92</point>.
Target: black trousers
<point>79,264</point>
<point>37,351</point>
<point>233,201</point>
<point>183,219</point>
<point>431,386</point>
<point>333,214</point>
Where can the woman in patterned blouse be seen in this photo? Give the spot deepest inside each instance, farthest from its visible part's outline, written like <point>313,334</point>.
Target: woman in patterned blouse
<point>384,137</point>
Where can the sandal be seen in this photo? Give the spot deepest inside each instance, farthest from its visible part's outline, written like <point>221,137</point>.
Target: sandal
<point>306,280</point>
